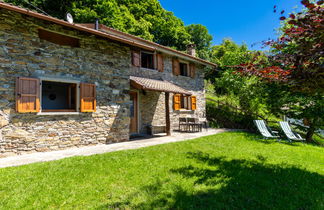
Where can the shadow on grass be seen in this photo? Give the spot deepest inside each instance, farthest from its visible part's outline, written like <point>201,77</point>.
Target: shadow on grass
<point>259,138</point>
<point>218,183</point>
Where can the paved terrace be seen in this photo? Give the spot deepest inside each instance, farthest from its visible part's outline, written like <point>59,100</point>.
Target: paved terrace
<point>102,148</point>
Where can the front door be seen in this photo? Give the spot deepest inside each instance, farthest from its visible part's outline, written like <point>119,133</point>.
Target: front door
<point>133,128</point>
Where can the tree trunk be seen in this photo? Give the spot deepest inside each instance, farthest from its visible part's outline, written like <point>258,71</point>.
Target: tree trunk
<point>310,133</point>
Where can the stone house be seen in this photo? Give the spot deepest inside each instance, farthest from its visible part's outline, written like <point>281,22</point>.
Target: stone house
<point>64,84</point>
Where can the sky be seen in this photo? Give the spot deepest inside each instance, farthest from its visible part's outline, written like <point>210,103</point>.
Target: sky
<point>244,21</point>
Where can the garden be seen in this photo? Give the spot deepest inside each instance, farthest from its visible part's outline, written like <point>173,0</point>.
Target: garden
<point>231,170</point>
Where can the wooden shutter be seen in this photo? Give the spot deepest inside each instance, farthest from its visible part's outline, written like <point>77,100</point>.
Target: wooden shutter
<point>176,101</point>
<point>27,95</point>
<point>160,64</point>
<point>192,69</point>
<point>88,97</point>
<point>193,103</point>
<point>176,67</point>
<point>136,58</point>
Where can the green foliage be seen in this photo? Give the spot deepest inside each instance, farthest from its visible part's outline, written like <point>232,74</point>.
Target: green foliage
<point>146,19</point>
<point>248,91</point>
<point>229,54</point>
<point>57,8</point>
<point>224,171</point>
<point>297,105</point>
<point>202,39</point>
<point>222,116</point>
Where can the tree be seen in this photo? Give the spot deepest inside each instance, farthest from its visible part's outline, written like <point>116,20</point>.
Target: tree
<point>56,8</point>
<point>296,68</point>
<point>146,19</point>
<point>244,91</point>
<point>201,38</point>
<point>297,55</point>
<point>228,54</point>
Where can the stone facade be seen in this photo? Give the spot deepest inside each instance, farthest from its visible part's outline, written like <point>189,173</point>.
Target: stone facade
<point>152,104</point>
<point>23,54</point>
<point>98,61</point>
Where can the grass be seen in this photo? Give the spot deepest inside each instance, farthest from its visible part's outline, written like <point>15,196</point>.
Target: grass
<point>224,171</point>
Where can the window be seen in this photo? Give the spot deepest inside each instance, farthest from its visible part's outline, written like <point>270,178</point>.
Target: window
<point>48,95</point>
<point>184,70</point>
<point>184,102</point>
<point>58,97</point>
<point>147,60</point>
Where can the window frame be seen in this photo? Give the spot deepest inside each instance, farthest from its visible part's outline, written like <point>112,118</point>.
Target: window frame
<point>188,68</point>
<point>59,80</point>
<point>188,105</point>
<point>153,60</point>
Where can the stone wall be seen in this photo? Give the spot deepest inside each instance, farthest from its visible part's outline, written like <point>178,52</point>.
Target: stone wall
<point>107,64</point>
<point>152,104</point>
<point>97,61</point>
<point>151,109</point>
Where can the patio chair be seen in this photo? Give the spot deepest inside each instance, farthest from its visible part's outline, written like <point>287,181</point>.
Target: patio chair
<point>183,124</point>
<point>264,130</point>
<point>291,136</point>
<point>194,125</point>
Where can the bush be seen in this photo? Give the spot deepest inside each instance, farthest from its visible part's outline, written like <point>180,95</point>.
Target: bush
<point>220,116</point>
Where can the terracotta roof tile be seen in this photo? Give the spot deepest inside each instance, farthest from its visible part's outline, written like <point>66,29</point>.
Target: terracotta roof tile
<point>157,85</point>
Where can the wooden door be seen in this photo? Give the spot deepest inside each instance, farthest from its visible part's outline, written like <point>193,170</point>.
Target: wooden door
<point>133,128</point>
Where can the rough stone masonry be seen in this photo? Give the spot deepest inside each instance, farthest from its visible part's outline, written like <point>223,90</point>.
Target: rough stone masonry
<point>24,54</point>
<point>99,61</point>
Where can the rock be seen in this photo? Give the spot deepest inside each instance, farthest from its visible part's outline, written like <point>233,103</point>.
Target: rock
<point>3,122</point>
<point>18,133</point>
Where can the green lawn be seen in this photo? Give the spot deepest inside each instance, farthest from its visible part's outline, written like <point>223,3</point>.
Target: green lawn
<point>224,171</point>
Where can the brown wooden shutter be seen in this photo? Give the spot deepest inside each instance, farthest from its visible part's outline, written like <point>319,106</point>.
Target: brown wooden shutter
<point>176,101</point>
<point>88,97</point>
<point>175,67</point>
<point>136,58</point>
<point>160,64</point>
<point>27,95</point>
<point>193,103</point>
<point>192,68</point>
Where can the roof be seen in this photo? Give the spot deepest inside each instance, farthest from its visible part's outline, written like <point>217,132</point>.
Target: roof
<point>111,34</point>
<point>156,85</point>
<point>157,46</point>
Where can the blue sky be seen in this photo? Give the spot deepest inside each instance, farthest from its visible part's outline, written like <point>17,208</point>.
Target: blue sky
<point>249,21</point>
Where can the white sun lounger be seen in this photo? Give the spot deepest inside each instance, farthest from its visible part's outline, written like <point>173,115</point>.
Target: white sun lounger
<point>292,136</point>
<point>264,130</point>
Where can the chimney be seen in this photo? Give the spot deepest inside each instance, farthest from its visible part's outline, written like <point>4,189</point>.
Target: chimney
<point>191,49</point>
<point>97,24</point>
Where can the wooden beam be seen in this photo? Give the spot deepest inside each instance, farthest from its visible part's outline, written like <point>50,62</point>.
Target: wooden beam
<point>167,114</point>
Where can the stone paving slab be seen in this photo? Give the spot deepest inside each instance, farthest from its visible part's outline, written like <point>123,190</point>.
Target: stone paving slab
<point>101,148</point>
